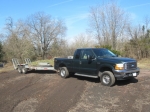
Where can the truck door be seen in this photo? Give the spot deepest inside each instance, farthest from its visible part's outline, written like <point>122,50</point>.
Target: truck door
<point>88,67</point>
<point>76,61</point>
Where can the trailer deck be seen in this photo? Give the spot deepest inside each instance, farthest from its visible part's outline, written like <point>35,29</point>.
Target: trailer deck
<point>25,67</point>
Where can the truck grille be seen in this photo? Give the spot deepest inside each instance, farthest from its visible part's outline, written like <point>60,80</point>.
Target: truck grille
<point>130,65</point>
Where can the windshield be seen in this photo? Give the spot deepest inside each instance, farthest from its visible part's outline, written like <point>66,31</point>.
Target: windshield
<point>103,53</point>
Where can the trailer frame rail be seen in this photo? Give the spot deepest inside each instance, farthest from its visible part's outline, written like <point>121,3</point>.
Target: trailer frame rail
<point>25,67</point>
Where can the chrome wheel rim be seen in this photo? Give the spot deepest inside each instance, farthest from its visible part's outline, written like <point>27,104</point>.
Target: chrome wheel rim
<point>19,70</point>
<point>106,79</point>
<point>62,72</point>
<point>23,70</point>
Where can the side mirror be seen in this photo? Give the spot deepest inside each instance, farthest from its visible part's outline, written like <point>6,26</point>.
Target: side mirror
<point>89,57</point>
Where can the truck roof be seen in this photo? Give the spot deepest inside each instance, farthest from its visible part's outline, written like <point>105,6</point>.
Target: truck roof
<point>91,48</point>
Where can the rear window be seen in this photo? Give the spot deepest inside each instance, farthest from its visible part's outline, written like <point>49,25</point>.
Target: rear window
<point>77,54</point>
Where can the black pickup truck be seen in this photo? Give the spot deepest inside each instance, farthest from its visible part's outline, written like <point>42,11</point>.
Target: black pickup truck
<point>97,63</point>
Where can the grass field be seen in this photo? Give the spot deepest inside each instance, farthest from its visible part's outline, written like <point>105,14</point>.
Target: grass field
<point>7,67</point>
<point>144,63</point>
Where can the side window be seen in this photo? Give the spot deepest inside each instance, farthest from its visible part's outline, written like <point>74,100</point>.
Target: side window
<point>86,53</point>
<point>90,53</point>
<point>77,54</point>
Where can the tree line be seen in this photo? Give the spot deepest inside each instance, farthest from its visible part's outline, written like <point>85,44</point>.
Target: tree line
<point>41,36</point>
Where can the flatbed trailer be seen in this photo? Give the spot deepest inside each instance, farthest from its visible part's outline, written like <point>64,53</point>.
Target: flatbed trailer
<point>25,67</point>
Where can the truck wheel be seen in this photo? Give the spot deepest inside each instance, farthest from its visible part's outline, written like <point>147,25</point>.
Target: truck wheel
<point>63,72</point>
<point>20,69</point>
<point>107,78</point>
<point>24,70</point>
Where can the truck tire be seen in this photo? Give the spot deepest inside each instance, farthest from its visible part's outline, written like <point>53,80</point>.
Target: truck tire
<point>63,72</point>
<point>107,78</point>
<point>19,69</point>
<point>24,70</point>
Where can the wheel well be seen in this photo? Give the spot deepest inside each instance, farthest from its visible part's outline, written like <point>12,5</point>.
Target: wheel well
<point>62,65</point>
<point>104,69</point>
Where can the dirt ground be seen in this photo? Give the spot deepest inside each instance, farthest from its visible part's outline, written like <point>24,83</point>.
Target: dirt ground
<point>48,92</point>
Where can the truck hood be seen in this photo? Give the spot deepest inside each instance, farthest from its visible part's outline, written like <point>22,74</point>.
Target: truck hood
<point>118,59</point>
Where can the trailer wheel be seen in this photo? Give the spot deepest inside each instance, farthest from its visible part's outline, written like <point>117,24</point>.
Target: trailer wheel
<point>64,72</point>
<point>20,69</point>
<point>24,70</point>
<point>107,78</point>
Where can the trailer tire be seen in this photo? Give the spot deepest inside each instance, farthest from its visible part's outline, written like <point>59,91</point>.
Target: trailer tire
<point>63,72</point>
<point>20,69</point>
<point>24,70</point>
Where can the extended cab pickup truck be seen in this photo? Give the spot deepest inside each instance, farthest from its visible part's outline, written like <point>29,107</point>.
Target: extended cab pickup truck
<point>97,63</point>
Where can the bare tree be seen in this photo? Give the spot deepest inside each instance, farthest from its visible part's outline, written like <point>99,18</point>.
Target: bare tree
<point>108,22</point>
<point>146,22</point>
<point>59,48</point>
<point>2,37</point>
<point>83,40</point>
<point>17,44</point>
<point>134,32</point>
<point>138,46</point>
<point>44,30</point>
<point>9,25</point>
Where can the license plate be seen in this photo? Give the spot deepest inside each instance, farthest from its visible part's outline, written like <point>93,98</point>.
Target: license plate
<point>134,74</point>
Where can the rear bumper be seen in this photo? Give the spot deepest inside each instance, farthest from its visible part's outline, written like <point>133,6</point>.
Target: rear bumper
<point>126,74</point>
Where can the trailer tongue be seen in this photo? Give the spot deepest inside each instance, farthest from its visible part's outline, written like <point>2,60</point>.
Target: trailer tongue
<point>25,67</point>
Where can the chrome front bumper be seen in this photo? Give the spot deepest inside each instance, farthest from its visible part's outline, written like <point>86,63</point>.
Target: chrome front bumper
<point>126,74</point>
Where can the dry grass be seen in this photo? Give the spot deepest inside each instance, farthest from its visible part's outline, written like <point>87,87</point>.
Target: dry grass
<point>7,67</point>
<point>35,63</point>
<point>144,63</point>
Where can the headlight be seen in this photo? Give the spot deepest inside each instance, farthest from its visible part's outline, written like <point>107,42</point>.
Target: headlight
<point>119,66</point>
